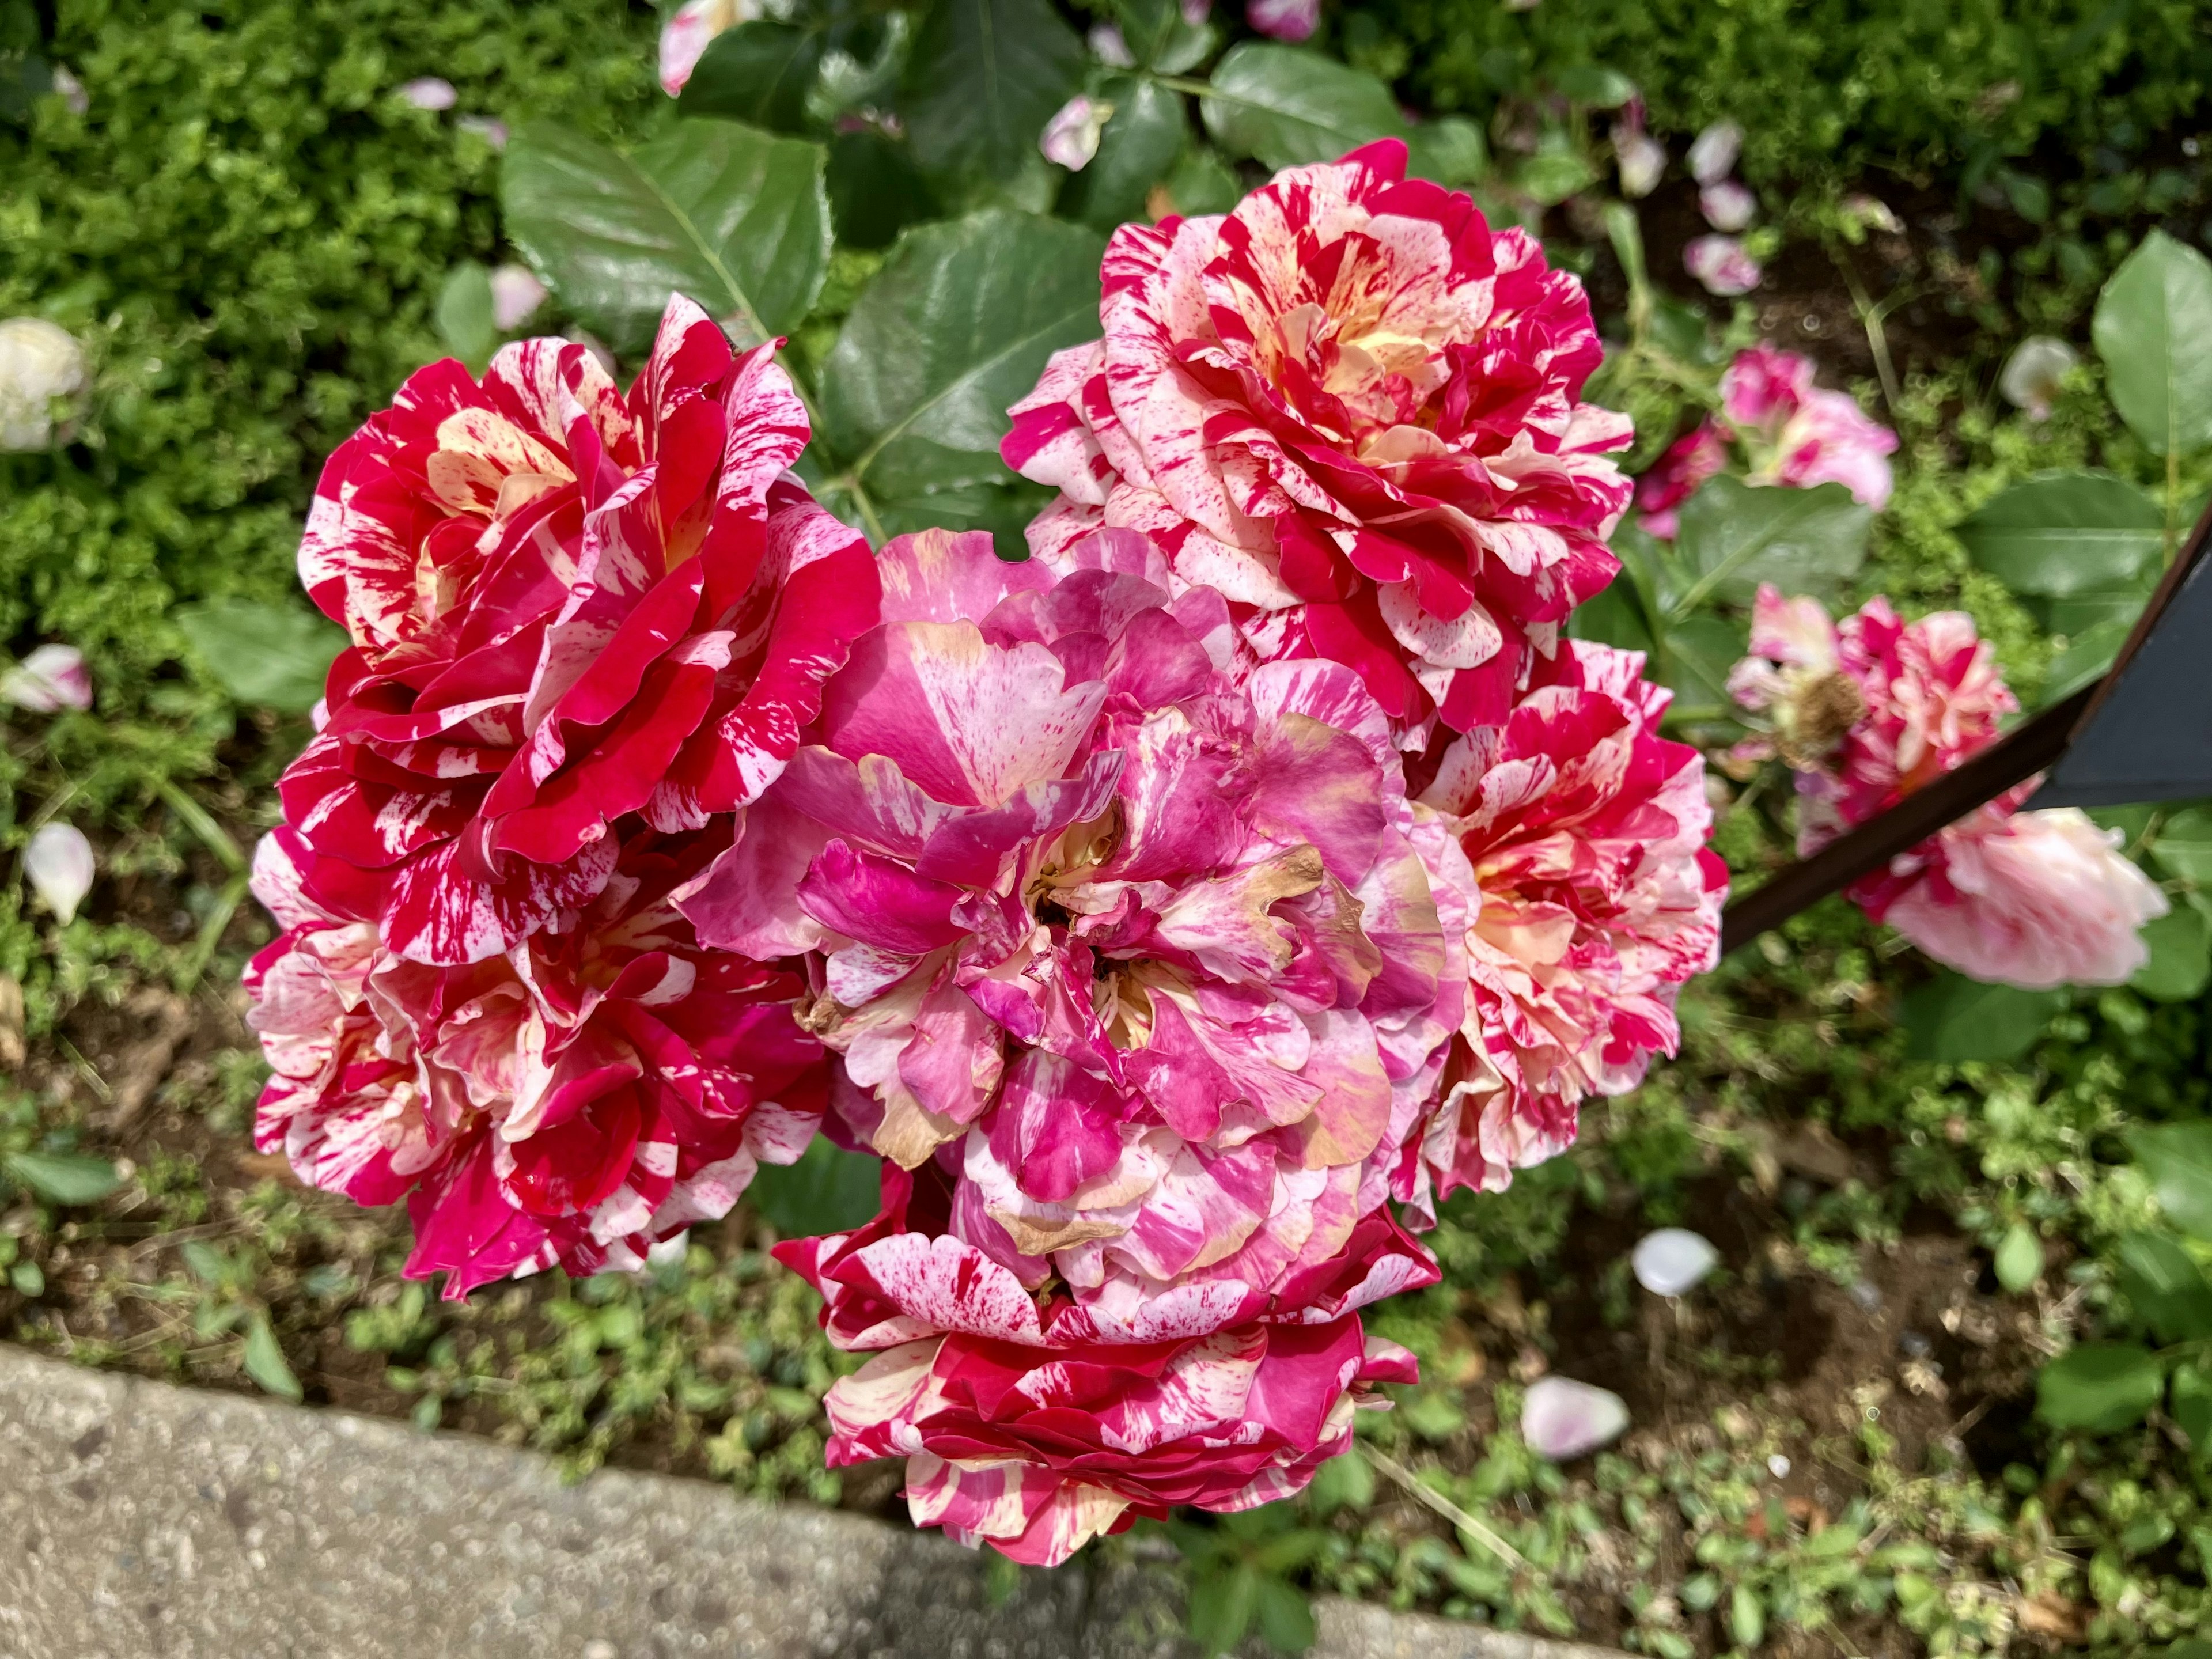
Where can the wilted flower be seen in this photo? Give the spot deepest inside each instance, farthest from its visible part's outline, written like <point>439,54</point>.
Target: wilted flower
<point>2034,373</point>
<point>1714,152</point>
<point>40,364</point>
<point>1871,709</point>
<point>1029,1424</point>
<point>429,92</point>
<point>53,677</point>
<point>1108,46</point>
<point>597,1087</point>
<point>628,609</point>
<point>1562,1419</point>
<point>1155,940</point>
<point>516,294</point>
<point>1585,831</point>
<point>74,97</point>
<point>1721,263</point>
<point>1284,20</point>
<point>1642,158</point>
<point>685,35</point>
<point>1691,459</point>
<point>1727,205</point>
<point>1673,1261</point>
<point>1071,138</point>
<point>1350,408</point>
<point>59,863</point>
<point>1803,435</point>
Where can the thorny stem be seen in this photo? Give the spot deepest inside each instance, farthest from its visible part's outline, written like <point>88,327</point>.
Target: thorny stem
<point>1444,1506</point>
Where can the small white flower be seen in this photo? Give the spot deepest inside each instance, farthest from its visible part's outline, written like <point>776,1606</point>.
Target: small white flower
<point>1071,138</point>
<point>429,92</point>
<point>59,864</point>
<point>1712,157</point>
<point>1727,205</point>
<point>39,363</point>
<point>1562,1419</point>
<point>52,677</point>
<point>1721,263</point>
<point>515,295</point>
<point>74,96</point>
<point>1642,159</point>
<point>1108,46</point>
<point>1673,1261</point>
<point>2033,374</point>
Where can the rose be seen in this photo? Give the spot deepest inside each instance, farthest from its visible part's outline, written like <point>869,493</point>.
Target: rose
<point>569,611</point>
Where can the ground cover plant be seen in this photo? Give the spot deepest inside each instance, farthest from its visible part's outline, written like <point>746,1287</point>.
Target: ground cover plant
<point>1970,1210</point>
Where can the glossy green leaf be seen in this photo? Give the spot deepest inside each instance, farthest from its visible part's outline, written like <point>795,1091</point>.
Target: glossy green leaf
<point>1747,1616</point>
<point>984,78</point>
<point>1138,149</point>
<point>2177,1157</point>
<point>2189,1402</point>
<point>733,217</point>
<point>2019,1261</point>
<point>1285,1617</point>
<point>63,1177</point>
<point>1287,106</point>
<point>955,328</point>
<point>1957,1019</point>
<point>1204,183</point>
<point>759,72</point>
<point>2183,845</point>
<point>1222,1603</point>
<point>828,1190</point>
<point>264,1362</point>
<point>1346,1482</point>
<point>2099,1387</point>
<point>2180,965</point>
<point>2166,1287</point>
<point>2089,657</point>
<point>1450,151</point>
<point>1735,536</point>
<point>267,656</point>
<point>875,189</point>
<point>1695,658</point>
<point>1612,617</point>
<point>2153,330</point>
<point>2060,533</point>
<point>465,315</point>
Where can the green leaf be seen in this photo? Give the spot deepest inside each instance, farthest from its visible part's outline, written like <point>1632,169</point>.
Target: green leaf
<point>63,1177</point>
<point>1287,105</point>
<point>2018,1258</point>
<point>2153,330</point>
<point>1612,617</point>
<point>984,78</point>
<point>1956,1019</point>
<point>2183,846</point>
<point>1735,536</point>
<point>465,315</point>
<point>1138,148</point>
<point>1450,151</point>
<point>759,73</point>
<point>267,656</point>
<point>1204,183</point>
<point>264,1362</point>
<point>2180,965</point>
<point>2177,1157</point>
<point>733,218</point>
<point>1222,1603</point>
<point>1747,1616</point>
<point>1594,84</point>
<point>1698,656</point>
<point>2087,657</point>
<point>2189,1400</point>
<point>1346,1482</point>
<point>875,189</point>
<point>954,328</point>
<point>1286,1619</point>
<point>2166,1285</point>
<point>2099,1387</point>
<point>828,1190</point>
<point>2060,533</point>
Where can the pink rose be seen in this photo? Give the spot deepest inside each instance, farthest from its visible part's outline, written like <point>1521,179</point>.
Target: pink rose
<point>600,1086</point>
<point>570,611</point>
<point>1805,435</point>
<point>1027,1426</point>
<point>1350,409</point>
<point>1152,933</point>
<point>1585,831</point>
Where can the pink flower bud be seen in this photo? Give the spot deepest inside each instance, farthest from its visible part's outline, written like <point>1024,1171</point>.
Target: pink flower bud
<point>59,865</point>
<point>52,677</point>
<point>1071,138</point>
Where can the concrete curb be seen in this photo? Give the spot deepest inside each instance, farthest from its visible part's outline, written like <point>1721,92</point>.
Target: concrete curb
<point>144,1519</point>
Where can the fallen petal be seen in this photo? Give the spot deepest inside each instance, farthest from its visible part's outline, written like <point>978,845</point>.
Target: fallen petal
<point>1673,1261</point>
<point>1727,205</point>
<point>52,677</point>
<point>1563,1418</point>
<point>1712,157</point>
<point>516,296</point>
<point>1721,263</point>
<point>429,92</point>
<point>59,864</point>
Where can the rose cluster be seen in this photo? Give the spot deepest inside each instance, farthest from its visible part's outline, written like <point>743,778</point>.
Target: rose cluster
<point>1158,909</point>
<point>1871,708</point>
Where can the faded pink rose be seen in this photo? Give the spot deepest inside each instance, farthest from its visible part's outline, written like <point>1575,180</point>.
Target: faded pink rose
<point>599,1086</point>
<point>1672,479</point>
<point>1585,831</point>
<point>1801,434</point>
<point>1027,1426</point>
<point>570,611</point>
<point>1149,932</point>
<point>1873,709</point>
<point>1351,410</point>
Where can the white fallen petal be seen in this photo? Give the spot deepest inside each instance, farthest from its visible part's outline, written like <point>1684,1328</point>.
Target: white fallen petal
<point>430,93</point>
<point>2033,374</point>
<point>1562,1419</point>
<point>59,864</point>
<point>1723,266</point>
<point>1727,205</point>
<point>1642,159</point>
<point>1672,1260</point>
<point>52,677</point>
<point>515,295</point>
<point>1713,156</point>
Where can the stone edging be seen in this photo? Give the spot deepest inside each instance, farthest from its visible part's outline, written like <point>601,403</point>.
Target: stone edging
<point>145,1519</point>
